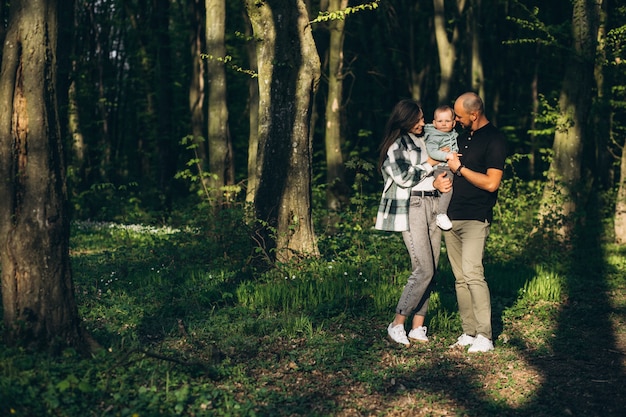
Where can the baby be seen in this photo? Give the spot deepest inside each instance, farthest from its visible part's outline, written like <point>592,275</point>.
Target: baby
<point>440,138</point>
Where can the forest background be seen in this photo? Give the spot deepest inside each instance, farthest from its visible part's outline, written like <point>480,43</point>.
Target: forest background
<point>221,234</point>
<point>139,87</point>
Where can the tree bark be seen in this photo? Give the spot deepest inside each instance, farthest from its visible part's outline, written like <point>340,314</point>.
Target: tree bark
<point>37,290</point>
<point>475,22</point>
<point>563,188</point>
<point>336,189</point>
<point>220,148</point>
<point>446,48</point>
<point>197,83</point>
<point>620,204</point>
<point>164,78</point>
<point>289,70</point>
<point>253,111</point>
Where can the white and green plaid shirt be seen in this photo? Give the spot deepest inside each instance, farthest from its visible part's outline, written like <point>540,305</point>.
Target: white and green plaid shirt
<point>403,169</point>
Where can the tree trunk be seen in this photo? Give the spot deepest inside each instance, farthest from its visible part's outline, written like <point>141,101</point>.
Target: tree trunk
<point>419,66</point>
<point>478,76</point>
<point>289,70</point>
<point>620,204</point>
<point>336,189</point>
<point>603,160</point>
<point>220,149</point>
<point>562,191</point>
<point>165,125</point>
<point>197,81</point>
<point>253,111</point>
<point>446,48</point>
<point>79,147</point>
<point>37,289</point>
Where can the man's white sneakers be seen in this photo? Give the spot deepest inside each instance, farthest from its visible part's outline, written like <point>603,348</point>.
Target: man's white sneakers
<point>480,344</point>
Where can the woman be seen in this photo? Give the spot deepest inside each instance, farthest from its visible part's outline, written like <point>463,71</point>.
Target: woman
<point>409,205</point>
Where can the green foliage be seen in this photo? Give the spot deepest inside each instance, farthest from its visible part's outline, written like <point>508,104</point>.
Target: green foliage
<point>189,328</point>
<point>534,25</point>
<point>325,16</point>
<point>107,201</point>
<point>547,118</point>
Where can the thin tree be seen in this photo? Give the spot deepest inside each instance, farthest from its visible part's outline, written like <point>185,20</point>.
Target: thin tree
<point>620,204</point>
<point>253,116</point>
<point>336,191</point>
<point>197,84</point>
<point>220,147</point>
<point>37,290</point>
<point>447,40</point>
<point>289,71</point>
<point>563,188</point>
<point>475,32</point>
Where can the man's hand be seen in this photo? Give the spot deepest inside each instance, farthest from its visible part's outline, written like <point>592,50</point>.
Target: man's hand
<point>454,162</point>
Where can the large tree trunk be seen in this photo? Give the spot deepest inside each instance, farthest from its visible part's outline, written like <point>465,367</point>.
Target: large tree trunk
<point>37,290</point>
<point>563,189</point>
<point>336,191</point>
<point>220,148</point>
<point>289,70</point>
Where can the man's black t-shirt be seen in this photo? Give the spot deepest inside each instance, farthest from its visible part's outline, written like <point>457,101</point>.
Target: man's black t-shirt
<point>485,148</point>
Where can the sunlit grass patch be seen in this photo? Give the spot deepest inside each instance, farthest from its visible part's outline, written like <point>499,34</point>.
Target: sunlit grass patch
<point>532,322</point>
<point>545,285</point>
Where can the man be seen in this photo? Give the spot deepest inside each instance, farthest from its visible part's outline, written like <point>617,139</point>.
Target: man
<point>479,166</point>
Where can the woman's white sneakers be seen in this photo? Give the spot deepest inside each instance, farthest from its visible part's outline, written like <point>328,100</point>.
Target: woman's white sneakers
<point>398,334</point>
<point>419,334</point>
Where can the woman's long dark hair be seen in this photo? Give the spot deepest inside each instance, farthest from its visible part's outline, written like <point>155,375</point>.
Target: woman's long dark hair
<point>405,114</point>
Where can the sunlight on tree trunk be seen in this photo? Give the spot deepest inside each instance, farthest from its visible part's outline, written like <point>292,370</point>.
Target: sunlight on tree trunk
<point>289,70</point>
<point>220,148</point>
<point>336,191</point>
<point>78,140</point>
<point>37,290</point>
<point>563,188</point>
<point>620,204</point>
<point>446,47</point>
<point>253,118</point>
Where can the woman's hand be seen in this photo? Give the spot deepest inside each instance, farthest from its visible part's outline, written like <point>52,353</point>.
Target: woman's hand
<point>443,183</point>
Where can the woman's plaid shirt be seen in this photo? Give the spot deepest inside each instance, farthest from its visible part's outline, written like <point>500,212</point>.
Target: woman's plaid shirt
<point>402,170</point>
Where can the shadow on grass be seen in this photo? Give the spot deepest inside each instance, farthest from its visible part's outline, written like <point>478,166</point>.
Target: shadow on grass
<point>352,370</point>
<point>581,373</point>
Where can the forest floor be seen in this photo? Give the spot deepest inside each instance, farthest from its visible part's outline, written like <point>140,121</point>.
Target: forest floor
<point>551,359</point>
<point>180,339</point>
<point>580,371</point>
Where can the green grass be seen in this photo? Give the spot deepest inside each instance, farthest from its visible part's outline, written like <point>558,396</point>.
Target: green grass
<point>189,329</point>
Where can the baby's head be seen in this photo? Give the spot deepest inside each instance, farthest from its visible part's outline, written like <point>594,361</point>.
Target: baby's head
<point>444,118</point>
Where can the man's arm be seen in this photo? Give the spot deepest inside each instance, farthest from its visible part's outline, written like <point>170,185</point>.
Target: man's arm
<point>488,182</point>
